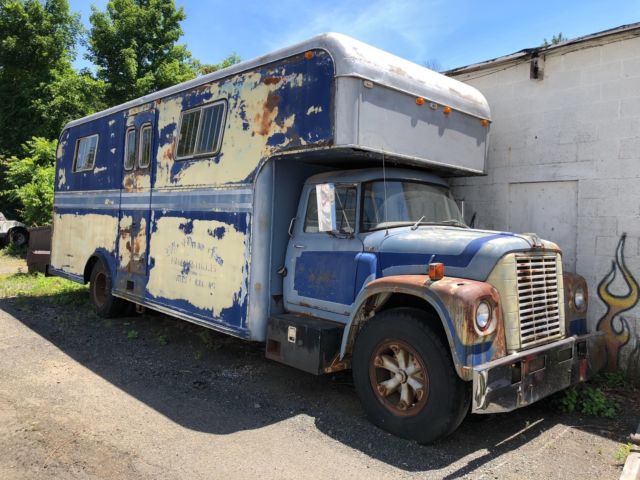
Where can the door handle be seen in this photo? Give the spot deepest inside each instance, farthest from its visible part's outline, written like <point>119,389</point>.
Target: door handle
<point>300,246</point>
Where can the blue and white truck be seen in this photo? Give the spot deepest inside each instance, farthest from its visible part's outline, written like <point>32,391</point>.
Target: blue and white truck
<point>300,200</point>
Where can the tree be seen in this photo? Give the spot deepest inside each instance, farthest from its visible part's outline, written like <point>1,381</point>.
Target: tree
<point>134,45</point>
<point>37,40</point>
<point>231,59</point>
<point>30,178</point>
<point>556,39</point>
<point>433,64</point>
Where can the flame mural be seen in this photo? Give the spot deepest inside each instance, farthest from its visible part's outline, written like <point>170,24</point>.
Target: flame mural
<point>616,338</point>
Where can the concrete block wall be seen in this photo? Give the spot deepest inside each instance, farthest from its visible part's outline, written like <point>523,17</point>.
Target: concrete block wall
<point>580,123</point>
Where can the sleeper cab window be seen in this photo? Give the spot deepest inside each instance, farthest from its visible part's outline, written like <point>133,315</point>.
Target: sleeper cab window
<point>346,199</point>
<point>85,157</point>
<point>145,146</point>
<point>130,148</point>
<point>201,130</point>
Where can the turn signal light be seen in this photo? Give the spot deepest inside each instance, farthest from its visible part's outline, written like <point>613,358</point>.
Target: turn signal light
<point>436,271</point>
<point>420,101</point>
<point>446,110</point>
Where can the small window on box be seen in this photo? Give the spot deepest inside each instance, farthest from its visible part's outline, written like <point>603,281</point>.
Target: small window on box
<point>201,130</point>
<point>130,149</point>
<point>145,146</point>
<point>86,149</point>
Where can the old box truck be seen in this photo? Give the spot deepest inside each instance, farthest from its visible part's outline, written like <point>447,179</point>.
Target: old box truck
<point>299,200</point>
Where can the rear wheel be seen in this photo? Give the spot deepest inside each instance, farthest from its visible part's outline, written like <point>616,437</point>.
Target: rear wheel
<point>18,237</point>
<point>405,378</point>
<point>104,303</point>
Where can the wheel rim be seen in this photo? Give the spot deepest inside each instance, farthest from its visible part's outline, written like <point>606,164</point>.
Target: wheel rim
<point>399,377</point>
<point>100,289</point>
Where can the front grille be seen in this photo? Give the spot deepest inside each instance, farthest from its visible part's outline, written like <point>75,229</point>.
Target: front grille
<point>538,297</point>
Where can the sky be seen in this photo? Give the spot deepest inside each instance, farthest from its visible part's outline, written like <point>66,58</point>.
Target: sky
<point>452,33</point>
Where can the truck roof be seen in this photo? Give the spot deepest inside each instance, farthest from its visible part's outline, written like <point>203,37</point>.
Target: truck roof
<point>352,58</point>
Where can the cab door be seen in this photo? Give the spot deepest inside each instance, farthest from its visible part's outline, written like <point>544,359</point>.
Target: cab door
<point>135,203</point>
<point>321,266</point>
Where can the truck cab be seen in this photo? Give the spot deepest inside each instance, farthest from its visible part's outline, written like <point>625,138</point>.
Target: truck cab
<point>435,318</point>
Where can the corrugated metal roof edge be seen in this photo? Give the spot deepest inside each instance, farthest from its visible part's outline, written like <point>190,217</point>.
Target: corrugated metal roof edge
<point>527,53</point>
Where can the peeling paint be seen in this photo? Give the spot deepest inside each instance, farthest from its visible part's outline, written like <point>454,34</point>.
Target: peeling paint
<point>317,109</point>
<point>62,178</point>
<point>207,271</point>
<point>83,235</point>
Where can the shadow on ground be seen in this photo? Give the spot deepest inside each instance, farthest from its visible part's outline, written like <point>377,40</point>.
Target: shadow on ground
<point>214,383</point>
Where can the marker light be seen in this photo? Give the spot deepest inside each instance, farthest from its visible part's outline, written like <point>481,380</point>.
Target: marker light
<point>420,101</point>
<point>484,122</point>
<point>308,55</point>
<point>436,271</point>
<point>446,110</point>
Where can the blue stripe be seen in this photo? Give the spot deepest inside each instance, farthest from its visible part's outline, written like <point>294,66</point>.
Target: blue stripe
<point>460,260</point>
<point>209,200</point>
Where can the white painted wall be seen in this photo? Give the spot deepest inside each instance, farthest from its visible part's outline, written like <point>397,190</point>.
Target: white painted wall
<point>579,125</point>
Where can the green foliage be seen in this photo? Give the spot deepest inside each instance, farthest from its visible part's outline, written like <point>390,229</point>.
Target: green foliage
<point>615,380</point>
<point>37,285</point>
<point>231,59</point>
<point>134,45</point>
<point>556,39</point>
<point>11,251</point>
<point>37,39</point>
<point>30,179</point>
<point>132,334</point>
<point>586,399</point>
<point>622,453</point>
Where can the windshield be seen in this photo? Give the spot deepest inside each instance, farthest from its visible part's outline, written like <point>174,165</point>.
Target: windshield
<point>407,203</point>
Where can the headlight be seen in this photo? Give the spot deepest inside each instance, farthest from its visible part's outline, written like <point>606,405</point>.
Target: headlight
<point>578,298</point>
<point>483,315</point>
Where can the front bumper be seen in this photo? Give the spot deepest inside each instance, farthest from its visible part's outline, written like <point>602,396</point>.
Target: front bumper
<point>525,377</point>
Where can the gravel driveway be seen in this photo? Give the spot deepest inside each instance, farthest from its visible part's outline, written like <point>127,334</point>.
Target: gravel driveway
<point>150,397</point>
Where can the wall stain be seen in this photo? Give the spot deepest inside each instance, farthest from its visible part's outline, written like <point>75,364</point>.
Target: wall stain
<point>617,337</point>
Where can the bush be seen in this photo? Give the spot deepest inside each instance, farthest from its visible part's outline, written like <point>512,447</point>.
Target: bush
<point>585,399</point>
<point>30,180</point>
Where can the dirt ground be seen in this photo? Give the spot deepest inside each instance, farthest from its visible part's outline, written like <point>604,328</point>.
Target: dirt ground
<point>12,265</point>
<point>150,397</point>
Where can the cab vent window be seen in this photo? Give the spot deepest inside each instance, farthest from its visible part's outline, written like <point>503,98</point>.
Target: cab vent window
<point>130,149</point>
<point>86,149</point>
<point>201,130</point>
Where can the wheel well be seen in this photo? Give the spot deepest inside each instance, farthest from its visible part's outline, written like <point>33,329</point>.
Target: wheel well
<point>403,300</point>
<point>397,300</point>
<point>89,268</point>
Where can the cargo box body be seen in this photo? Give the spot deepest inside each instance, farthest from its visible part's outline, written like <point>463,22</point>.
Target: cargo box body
<point>186,194</point>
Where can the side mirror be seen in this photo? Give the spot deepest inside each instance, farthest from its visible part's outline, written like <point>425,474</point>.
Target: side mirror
<point>326,198</point>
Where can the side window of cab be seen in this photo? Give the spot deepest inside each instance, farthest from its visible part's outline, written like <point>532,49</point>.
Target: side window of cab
<point>345,210</point>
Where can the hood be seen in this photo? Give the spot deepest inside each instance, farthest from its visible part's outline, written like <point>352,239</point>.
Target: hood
<point>465,253</point>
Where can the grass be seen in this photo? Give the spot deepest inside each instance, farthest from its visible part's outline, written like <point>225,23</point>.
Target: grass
<point>622,453</point>
<point>37,285</point>
<point>13,252</point>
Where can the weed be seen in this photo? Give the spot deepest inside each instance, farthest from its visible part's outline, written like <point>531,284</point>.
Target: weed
<point>198,354</point>
<point>163,339</point>
<point>585,399</point>
<point>132,334</point>
<point>37,285</point>
<point>622,453</point>
<point>615,380</point>
<point>13,251</point>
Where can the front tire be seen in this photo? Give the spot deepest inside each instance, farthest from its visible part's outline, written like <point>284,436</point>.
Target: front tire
<point>405,378</point>
<point>104,303</point>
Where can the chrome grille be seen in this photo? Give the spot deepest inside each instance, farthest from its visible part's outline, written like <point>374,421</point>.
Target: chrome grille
<point>538,298</point>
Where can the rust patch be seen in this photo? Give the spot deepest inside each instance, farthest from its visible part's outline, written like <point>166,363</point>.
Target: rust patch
<point>271,80</point>
<point>265,118</point>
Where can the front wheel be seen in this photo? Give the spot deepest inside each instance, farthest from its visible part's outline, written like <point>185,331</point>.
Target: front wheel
<point>405,379</point>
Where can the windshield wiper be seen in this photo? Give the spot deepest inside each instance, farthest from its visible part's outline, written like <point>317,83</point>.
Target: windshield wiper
<point>415,225</point>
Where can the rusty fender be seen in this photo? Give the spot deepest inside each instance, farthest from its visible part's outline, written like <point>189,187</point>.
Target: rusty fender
<point>454,300</point>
